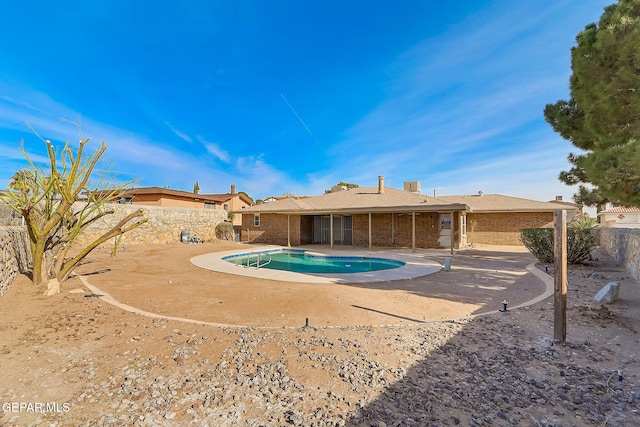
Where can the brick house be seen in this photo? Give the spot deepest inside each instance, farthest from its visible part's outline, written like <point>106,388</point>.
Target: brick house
<point>158,196</point>
<point>389,217</point>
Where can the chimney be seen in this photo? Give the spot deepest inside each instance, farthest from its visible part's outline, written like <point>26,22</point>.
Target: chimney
<point>233,189</point>
<point>413,186</point>
<point>558,198</point>
<point>435,192</point>
<point>380,184</point>
<point>480,193</point>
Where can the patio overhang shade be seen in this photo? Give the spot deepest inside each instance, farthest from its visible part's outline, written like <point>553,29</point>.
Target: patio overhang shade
<point>449,207</point>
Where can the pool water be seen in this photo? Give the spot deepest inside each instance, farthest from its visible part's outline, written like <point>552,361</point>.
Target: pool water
<point>301,262</point>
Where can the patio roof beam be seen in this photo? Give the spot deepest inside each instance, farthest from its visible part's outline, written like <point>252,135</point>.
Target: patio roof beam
<point>364,210</point>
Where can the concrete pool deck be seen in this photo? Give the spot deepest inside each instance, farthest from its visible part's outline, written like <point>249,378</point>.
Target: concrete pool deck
<point>417,264</point>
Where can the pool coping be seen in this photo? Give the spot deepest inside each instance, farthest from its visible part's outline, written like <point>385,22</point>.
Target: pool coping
<point>416,265</point>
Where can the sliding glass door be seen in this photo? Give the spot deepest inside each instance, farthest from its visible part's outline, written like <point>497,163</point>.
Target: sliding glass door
<point>342,229</point>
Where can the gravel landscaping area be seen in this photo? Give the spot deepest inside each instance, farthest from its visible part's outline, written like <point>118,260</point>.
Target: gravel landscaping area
<point>398,362</point>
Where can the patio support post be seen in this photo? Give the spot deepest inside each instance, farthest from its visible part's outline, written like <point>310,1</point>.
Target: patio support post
<point>453,230</point>
<point>288,230</point>
<point>370,235</point>
<point>393,230</point>
<point>413,231</point>
<point>331,231</point>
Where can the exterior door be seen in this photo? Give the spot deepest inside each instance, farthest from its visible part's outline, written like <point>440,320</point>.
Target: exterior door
<point>342,229</point>
<point>445,230</point>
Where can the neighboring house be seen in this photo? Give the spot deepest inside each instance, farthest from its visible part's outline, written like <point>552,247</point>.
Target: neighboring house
<point>569,205</point>
<point>620,217</point>
<point>158,196</point>
<point>388,217</point>
<point>276,198</point>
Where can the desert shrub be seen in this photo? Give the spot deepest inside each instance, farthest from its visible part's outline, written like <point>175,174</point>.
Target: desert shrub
<point>539,241</point>
<point>224,231</point>
<point>583,221</point>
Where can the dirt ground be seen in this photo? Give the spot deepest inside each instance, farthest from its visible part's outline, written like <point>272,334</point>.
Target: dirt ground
<point>161,280</point>
<point>75,355</point>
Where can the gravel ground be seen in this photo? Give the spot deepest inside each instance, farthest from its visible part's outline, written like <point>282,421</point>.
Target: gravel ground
<point>103,366</point>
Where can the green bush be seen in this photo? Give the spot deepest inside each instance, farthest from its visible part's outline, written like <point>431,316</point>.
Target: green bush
<point>539,241</point>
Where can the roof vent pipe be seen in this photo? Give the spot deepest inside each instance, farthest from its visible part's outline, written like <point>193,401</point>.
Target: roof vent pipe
<point>380,184</point>
<point>480,193</point>
<point>434,192</point>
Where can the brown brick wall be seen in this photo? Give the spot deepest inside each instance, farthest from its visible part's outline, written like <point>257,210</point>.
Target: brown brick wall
<point>395,230</point>
<point>490,229</point>
<point>504,228</point>
<point>272,229</point>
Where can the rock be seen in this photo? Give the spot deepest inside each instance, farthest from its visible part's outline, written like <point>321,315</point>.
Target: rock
<point>608,294</point>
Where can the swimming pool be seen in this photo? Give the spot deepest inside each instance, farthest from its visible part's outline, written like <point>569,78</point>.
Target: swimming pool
<point>301,261</point>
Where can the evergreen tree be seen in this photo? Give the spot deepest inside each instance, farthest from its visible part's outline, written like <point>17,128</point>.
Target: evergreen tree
<point>602,117</point>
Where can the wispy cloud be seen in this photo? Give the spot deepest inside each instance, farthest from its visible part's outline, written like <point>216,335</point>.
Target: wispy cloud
<point>179,134</point>
<point>259,177</point>
<point>457,110</point>
<point>134,155</point>
<point>456,101</point>
<point>215,150</point>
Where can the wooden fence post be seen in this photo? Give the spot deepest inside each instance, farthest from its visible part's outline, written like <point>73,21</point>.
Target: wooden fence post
<point>560,276</point>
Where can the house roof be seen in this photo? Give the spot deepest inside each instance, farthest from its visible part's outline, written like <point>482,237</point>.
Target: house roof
<point>500,203</point>
<point>620,209</point>
<point>368,199</point>
<point>218,198</point>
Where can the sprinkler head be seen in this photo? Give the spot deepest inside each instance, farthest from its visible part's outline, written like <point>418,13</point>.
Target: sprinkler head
<point>504,306</point>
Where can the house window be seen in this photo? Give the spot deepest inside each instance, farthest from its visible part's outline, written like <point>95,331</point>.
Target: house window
<point>463,225</point>
<point>209,205</point>
<point>125,200</point>
<point>256,220</point>
<point>226,207</point>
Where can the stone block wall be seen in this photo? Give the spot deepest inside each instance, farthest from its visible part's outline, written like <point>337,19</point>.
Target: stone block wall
<point>15,256</point>
<point>8,216</point>
<point>623,245</point>
<point>164,224</point>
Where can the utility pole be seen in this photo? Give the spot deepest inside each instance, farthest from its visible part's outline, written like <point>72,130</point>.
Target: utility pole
<point>560,276</point>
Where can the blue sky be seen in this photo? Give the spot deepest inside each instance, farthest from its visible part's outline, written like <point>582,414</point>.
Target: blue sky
<point>293,96</point>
